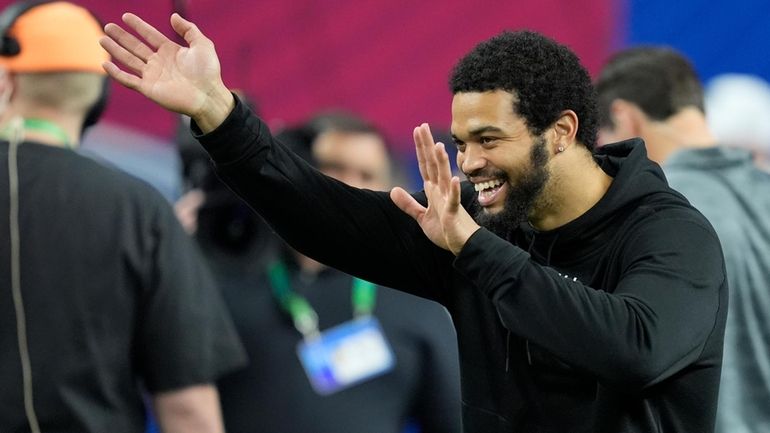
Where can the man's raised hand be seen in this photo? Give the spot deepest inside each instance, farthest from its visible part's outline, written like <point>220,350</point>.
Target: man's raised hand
<point>445,222</point>
<point>183,79</point>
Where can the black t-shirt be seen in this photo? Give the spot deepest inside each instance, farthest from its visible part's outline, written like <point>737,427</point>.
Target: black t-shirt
<point>274,395</point>
<point>116,297</point>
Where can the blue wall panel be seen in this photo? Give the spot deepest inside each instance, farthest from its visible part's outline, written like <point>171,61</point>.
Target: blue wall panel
<point>718,36</point>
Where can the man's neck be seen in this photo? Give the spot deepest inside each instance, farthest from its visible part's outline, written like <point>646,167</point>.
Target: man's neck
<point>686,129</point>
<point>49,128</point>
<point>577,183</point>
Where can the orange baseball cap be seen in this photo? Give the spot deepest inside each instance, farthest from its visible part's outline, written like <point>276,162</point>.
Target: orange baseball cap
<point>56,37</point>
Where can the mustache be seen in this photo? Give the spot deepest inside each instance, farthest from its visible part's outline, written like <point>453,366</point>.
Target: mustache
<point>487,173</point>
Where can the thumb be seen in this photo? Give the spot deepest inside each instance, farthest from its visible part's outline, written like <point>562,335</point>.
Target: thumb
<point>185,29</point>
<point>407,203</point>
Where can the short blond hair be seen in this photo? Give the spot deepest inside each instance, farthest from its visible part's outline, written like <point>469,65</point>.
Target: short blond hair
<point>70,92</point>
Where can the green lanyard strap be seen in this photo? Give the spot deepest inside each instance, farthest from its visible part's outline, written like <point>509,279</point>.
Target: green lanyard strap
<point>364,296</point>
<point>49,128</point>
<point>44,126</point>
<point>305,318</point>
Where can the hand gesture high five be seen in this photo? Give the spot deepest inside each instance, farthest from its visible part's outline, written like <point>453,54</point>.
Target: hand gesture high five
<point>186,80</point>
<point>445,222</point>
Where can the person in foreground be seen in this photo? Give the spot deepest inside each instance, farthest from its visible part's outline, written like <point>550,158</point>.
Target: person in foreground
<point>653,92</point>
<point>587,295</point>
<point>104,301</point>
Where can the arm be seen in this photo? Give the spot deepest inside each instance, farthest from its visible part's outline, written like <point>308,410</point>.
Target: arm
<point>360,232</point>
<point>184,336</point>
<point>357,231</point>
<point>194,409</point>
<point>655,321</point>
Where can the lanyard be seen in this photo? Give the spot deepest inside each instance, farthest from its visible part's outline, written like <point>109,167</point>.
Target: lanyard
<point>49,128</point>
<point>45,126</point>
<point>363,297</point>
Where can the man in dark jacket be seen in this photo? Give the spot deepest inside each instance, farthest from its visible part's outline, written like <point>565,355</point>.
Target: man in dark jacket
<point>592,299</point>
<point>653,92</point>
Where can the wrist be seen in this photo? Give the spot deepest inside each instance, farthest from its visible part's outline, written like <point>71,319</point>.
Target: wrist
<point>216,107</point>
<point>465,233</point>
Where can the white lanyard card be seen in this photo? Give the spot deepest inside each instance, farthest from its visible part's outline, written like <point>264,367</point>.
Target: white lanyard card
<point>345,355</point>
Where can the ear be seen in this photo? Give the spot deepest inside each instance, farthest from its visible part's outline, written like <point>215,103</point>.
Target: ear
<point>564,131</point>
<point>6,90</point>
<point>628,119</point>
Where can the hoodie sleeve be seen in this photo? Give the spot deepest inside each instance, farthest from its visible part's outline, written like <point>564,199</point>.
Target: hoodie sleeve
<point>358,231</point>
<point>652,323</point>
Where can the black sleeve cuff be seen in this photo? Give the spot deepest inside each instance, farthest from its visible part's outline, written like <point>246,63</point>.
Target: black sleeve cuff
<point>229,142</point>
<point>488,261</point>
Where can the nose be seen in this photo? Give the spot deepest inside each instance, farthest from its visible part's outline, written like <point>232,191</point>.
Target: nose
<point>473,159</point>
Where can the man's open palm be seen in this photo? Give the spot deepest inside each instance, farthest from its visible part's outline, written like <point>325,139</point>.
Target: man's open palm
<point>445,222</point>
<point>186,80</point>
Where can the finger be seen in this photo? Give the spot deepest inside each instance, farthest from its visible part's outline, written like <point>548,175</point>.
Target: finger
<point>122,55</point>
<point>128,41</point>
<point>426,141</point>
<point>191,200</point>
<point>186,29</point>
<point>146,31</point>
<point>131,81</point>
<point>444,171</point>
<point>407,203</point>
<point>420,152</point>
<point>453,201</point>
<point>187,207</point>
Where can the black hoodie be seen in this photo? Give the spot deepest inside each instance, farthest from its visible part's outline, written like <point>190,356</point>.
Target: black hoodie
<point>611,323</point>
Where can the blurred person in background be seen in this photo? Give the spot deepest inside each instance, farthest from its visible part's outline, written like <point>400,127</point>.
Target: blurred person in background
<point>233,238</point>
<point>738,112</point>
<point>274,394</point>
<point>103,296</point>
<point>654,93</point>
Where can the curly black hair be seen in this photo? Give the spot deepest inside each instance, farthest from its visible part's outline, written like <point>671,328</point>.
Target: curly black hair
<point>545,77</point>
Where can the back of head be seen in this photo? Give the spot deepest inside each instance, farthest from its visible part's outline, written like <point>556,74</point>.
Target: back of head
<point>545,77</point>
<point>340,121</point>
<point>52,48</point>
<point>738,111</point>
<point>659,80</point>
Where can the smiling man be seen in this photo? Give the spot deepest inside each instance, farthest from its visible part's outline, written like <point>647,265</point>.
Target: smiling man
<point>478,137</point>
<point>597,304</point>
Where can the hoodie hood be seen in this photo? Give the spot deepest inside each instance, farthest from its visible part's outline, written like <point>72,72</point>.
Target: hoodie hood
<point>636,179</point>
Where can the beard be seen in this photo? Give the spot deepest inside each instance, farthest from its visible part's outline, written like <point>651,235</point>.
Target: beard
<point>520,199</point>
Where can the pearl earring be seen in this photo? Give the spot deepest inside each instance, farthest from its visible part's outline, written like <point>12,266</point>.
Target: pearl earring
<point>561,149</point>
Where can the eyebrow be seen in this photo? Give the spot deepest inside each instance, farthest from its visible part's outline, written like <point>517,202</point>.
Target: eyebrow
<point>480,130</point>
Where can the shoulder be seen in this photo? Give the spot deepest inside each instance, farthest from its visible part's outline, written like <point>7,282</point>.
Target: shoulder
<point>113,184</point>
<point>673,235</point>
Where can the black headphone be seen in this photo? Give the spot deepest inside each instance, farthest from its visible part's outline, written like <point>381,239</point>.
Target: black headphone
<point>10,47</point>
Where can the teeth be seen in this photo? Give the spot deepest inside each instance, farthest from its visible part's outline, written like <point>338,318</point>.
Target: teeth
<point>486,185</point>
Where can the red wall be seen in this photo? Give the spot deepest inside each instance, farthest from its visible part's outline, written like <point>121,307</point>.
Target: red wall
<point>388,60</point>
